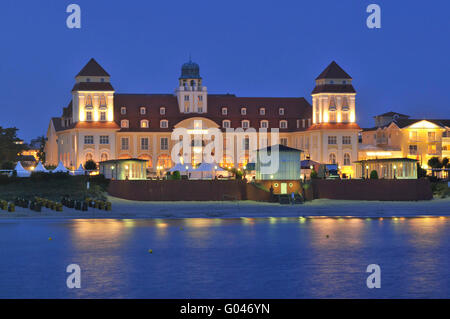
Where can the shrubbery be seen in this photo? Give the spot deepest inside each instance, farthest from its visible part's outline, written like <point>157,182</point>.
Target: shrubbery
<point>374,174</point>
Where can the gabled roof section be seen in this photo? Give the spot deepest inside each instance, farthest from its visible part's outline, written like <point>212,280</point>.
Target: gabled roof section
<point>333,71</point>
<point>392,114</point>
<point>92,68</point>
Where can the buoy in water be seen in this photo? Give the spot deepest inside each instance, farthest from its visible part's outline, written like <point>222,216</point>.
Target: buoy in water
<point>49,238</point>
<point>150,251</point>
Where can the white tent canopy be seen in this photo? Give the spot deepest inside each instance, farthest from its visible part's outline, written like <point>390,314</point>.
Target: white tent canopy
<point>79,170</point>
<point>21,172</point>
<point>40,168</point>
<point>209,167</point>
<point>60,168</point>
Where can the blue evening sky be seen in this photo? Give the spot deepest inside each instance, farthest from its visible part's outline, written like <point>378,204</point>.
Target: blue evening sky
<point>249,48</point>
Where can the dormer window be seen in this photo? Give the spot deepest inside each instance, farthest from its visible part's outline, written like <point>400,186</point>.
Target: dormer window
<point>224,111</point>
<point>144,123</point>
<point>245,124</point>
<point>123,110</point>
<point>281,111</point>
<point>283,124</point>
<point>142,110</point>
<point>262,111</point>
<point>124,124</point>
<point>244,111</point>
<point>164,124</point>
<point>226,123</point>
<point>162,110</point>
<point>264,124</point>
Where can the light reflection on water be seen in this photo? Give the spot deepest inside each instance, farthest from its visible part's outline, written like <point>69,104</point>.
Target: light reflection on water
<point>226,258</point>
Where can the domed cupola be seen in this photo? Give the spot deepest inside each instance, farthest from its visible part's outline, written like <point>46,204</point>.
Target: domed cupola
<point>190,70</point>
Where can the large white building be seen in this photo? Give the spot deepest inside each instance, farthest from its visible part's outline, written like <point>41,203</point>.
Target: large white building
<point>100,124</point>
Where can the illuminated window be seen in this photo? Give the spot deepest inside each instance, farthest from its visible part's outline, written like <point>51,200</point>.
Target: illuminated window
<point>88,100</point>
<point>226,123</point>
<point>102,100</point>
<point>144,143</point>
<point>142,110</point>
<point>413,135</point>
<point>104,139</point>
<point>283,124</point>
<point>332,158</point>
<point>332,140</point>
<point>347,159</point>
<point>164,124</point>
<point>88,139</point>
<point>124,124</point>
<point>104,157</point>
<point>88,116</point>
<point>332,116</point>
<point>432,136</point>
<point>123,110</point>
<point>164,143</point>
<point>345,117</point>
<point>144,123</point>
<point>102,116</point>
<point>432,149</point>
<point>124,143</point>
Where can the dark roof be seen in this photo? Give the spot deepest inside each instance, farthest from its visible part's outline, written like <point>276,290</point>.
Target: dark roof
<point>67,111</point>
<point>93,86</point>
<point>92,68</point>
<point>402,159</point>
<point>334,88</point>
<point>294,109</point>
<point>333,71</point>
<point>392,114</point>
<point>281,148</point>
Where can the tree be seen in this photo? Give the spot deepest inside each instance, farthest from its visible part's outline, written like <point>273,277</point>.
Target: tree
<point>421,172</point>
<point>314,174</point>
<point>434,162</point>
<point>374,174</point>
<point>446,163</point>
<point>9,144</point>
<point>39,144</point>
<point>90,165</point>
<point>176,175</point>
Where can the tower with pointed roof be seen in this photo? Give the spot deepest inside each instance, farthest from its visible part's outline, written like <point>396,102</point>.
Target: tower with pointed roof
<point>191,94</point>
<point>92,95</point>
<point>334,133</point>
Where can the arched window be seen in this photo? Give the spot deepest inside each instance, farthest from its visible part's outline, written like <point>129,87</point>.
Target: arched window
<point>245,124</point>
<point>164,162</point>
<point>144,123</point>
<point>332,158</point>
<point>102,100</point>
<point>347,159</point>
<point>124,124</point>
<point>88,100</point>
<point>89,157</point>
<point>104,157</point>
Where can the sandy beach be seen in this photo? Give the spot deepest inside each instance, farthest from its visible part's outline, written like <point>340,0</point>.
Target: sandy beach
<point>123,209</point>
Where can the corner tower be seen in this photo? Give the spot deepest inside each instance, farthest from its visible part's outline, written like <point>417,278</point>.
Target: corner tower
<point>333,97</point>
<point>92,95</point>
<point>191,94</point>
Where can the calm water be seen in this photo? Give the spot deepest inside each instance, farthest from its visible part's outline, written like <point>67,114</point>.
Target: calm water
<point>226,258</point>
